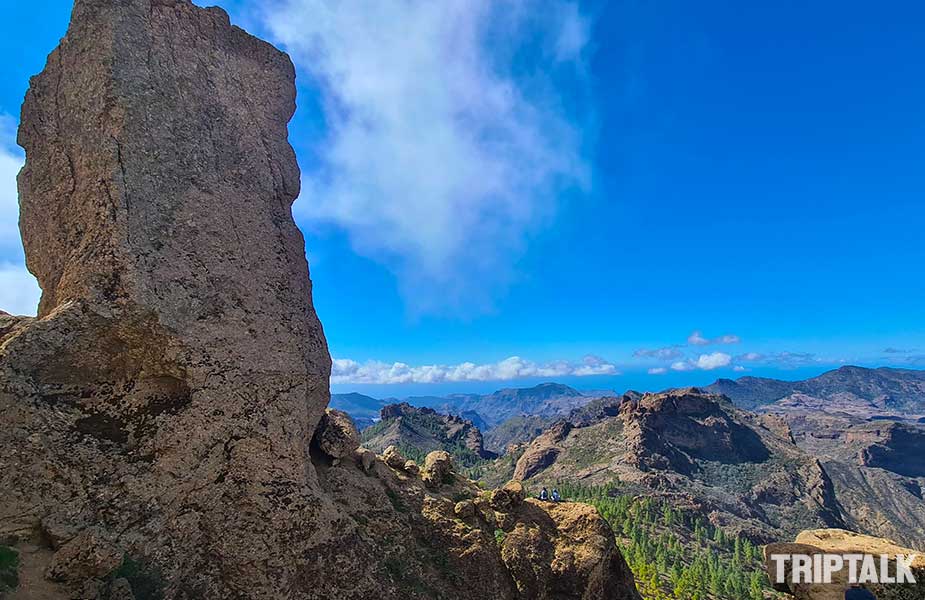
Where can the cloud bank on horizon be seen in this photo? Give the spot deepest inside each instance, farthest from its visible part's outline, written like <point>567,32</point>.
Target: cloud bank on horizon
<point>679,358</point>
<point>515,367</point>
<point>447,144</point>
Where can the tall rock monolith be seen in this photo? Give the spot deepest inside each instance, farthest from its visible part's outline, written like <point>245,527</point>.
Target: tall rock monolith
<point>176,342</point>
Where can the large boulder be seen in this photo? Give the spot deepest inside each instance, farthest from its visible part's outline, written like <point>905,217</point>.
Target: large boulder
<point>508,497</point>
<point>336,434</point>
<point>558,551</point>
<point>438,469</point>
<point>393,457</point>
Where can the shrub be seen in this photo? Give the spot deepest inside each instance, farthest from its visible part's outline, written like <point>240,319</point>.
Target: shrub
<point>9,569</point>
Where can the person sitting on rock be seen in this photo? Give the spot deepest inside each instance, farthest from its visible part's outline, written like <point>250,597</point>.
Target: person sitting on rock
<point>544,495</point>
<point>555,496</point>
<point>859,593</point>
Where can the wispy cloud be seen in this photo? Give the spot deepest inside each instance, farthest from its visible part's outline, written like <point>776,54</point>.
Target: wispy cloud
<point>676,354</point>
<point>515,367</point>
<point>705,362</point>
<point>696,339</point>
<point>786,360</point>
<point>447,143</point>
<point>669,353</point>
<point>892,350</point>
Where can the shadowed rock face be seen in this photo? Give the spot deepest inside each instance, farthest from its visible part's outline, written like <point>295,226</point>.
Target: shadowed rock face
<point>164,404</point>
<point>899,449</point>
<point>688,424</point>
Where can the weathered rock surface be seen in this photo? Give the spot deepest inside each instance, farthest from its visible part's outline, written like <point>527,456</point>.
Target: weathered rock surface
<point>161,410</point>
<point>508,497</point>
<point>438,469</point>
<point>694,449</point>
<point>555,549</point>
<point>426,430</point>
<point>336,434</point>
<point>171,384</point>
<point>392,457</point>
<point>841,542</point>
<point>542,452</point>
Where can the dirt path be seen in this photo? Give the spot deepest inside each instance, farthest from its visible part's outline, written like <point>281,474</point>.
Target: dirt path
<point>33,560</point>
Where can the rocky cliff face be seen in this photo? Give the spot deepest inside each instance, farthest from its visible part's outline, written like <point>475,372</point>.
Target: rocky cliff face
<point>159,413</point>
<point>697,450</point>
<point>424,430</point>
<point>177,369</point>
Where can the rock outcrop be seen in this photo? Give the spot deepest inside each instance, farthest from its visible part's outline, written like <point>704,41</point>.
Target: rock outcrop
<point>438,469</point>
<point>423,430</point>
<point>673,431</point>
<point>161,415</point>
<point>898,448</point>
<point>694,449</point>
<point>336,434</point>
<point>508,497</point>
<point>553,549</point>
<point>169,389</point>
<point>542,452</point>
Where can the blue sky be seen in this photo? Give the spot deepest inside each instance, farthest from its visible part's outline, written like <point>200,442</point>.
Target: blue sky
<point>585,186</point>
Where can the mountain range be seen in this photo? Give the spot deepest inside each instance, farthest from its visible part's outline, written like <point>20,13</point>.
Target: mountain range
<point>762,457</point>
<point>883,391</point>
<point>486,411</point>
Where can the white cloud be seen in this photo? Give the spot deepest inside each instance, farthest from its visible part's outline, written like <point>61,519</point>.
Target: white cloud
<point>708,362</point>
<point>11,161</point>
<point>19,292</point>
<point>441,156</point>
<point>696,339</point>
<point>515,367</point>
<point>705,362</point>
<point>658,371</point>
<point>739,368</point>
<point>727,339</point>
